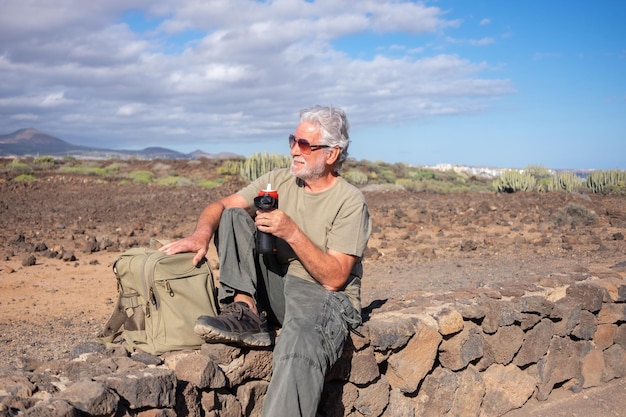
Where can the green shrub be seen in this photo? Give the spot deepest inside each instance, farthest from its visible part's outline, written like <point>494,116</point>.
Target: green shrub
<point>452,176</point>
<point>355,177</point>
<point>383,172</point>
<point>422,174</point>
<point>439,186</point>
<point>72,169</point>
<point>174,180</point>
<point>160,166</point>
<point>614,190</point>
<point>538,171</point>
<point>44,161</point>
<point>20,167</point>
<point>115,167</point>
<point>211,183</point>
<point>574,215</point>
<point>400,170</point>
<point>387,176</point>
<point>24,178</point>
<point>111,169</point>
<point>90,170</point>
<point>412,185</point>
<point>141,177</point>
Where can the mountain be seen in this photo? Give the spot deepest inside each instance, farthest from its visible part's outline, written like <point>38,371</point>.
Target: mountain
<point>32,142</point>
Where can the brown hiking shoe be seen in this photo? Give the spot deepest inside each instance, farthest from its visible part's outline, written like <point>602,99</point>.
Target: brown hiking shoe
<point>235,324</point>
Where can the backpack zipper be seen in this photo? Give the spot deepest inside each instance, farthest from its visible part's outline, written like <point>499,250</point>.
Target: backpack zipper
<point>169,289</point>
<point>144,282</point>
<point>149,281</point>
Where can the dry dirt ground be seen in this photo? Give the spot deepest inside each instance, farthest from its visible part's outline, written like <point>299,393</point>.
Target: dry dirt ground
<point>57,287</point>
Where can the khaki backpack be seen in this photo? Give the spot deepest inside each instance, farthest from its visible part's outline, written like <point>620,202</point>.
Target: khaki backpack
<point>160,297</point>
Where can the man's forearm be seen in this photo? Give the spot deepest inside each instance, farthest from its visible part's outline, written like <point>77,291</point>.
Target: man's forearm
<point>330,269</point>
<point>208,221</point>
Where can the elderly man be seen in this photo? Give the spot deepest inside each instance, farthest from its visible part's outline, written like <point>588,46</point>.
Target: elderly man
<point>310,285</point>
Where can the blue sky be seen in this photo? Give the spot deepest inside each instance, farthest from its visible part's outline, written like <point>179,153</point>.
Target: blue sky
<point>499,83</point>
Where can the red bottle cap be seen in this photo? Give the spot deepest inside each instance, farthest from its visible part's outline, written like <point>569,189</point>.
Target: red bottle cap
<point>268,190</point>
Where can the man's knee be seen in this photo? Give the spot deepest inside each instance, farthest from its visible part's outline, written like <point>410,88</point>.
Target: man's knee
<point>232,213</point>
<point>303,338</point>
<point>233,221</point>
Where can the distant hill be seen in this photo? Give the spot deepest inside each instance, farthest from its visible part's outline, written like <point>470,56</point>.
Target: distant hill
<point>32,142</point>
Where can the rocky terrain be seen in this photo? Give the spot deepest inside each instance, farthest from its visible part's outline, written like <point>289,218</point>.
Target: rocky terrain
<point>59,236</point>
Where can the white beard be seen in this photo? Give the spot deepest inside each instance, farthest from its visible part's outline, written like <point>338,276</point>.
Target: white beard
<point>308,172</point>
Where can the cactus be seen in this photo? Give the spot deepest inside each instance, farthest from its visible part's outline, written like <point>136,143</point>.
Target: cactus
<point>564,181</point>
<point>230,167</point>
<point>512,181</point>
<point>602,181</point>
<point>259,164</point>
<point>538,171</point>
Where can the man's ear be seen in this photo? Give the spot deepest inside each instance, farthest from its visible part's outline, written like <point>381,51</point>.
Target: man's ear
<point>333,155</point>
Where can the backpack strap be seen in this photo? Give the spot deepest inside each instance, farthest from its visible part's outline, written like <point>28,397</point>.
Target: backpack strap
<point>113,325</point>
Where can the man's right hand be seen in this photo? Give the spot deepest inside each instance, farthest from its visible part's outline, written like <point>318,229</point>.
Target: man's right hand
<point>189,244</point>
<point>209,219</point>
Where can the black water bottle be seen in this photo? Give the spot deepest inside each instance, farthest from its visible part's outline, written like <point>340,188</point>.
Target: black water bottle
<point>266,200</point>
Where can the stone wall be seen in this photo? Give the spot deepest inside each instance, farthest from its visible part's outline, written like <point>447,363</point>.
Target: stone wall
<point>468,353</point>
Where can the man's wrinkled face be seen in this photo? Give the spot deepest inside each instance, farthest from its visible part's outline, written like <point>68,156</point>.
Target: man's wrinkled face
<point>311,166</point>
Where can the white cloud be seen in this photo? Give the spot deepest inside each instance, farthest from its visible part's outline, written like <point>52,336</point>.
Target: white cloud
<point>78,65</point>
<point>22,19</point>
<point>25,117</point>
<point>473,42</point>
<point>54,99</point>
<point>130,109</point>
<point>481,41</point>
<point>539,56</point>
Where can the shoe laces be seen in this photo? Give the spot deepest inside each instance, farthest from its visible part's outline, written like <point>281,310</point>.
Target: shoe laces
<point>237,309</point>
<point>235,312</point>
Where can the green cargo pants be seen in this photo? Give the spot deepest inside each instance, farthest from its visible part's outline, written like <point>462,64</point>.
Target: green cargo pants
<point>315,322</point>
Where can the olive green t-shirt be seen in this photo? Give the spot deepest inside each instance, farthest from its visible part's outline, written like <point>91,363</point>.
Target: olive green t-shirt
<point>336,218</point>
